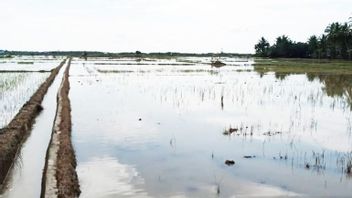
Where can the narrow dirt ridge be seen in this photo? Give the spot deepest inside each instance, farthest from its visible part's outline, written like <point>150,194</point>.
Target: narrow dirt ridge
<point>59,176</point>
<point>13,135</point>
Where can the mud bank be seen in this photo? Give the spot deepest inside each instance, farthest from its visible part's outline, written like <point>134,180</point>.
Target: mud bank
<point>60,177</point>
<point>12,136</point>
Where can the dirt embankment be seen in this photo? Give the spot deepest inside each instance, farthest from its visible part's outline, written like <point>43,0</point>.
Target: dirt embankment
<point>12,136</point>
<point>60,177</point>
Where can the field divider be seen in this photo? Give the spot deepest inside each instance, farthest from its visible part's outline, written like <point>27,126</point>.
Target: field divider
<point>59,177</point>
<point>14,134</point>
<point>25,71</point>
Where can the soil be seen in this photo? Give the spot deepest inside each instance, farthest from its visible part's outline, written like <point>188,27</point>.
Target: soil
<point>60,177</point>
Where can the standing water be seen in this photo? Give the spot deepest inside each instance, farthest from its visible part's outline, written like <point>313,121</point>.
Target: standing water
<point>24,180</point>
<point>153,129</point>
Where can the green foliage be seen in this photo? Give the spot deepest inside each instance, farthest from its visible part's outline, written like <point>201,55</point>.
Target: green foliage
<point>335,43</point>
<point>313,46</point>
<point>262,48</point>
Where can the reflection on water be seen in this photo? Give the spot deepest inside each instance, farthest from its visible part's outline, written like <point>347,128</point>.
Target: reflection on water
<point>108,178</point>
<point>159,131</point>
<point>339,86</point>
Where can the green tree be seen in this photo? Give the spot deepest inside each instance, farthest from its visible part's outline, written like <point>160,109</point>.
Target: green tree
<point>339,39</point>
<point>282,47</point>
<point>313,47</point>
<point>322,47</point>
<point>335,43</point>
<point>332,31</point>
<point>262,47</point>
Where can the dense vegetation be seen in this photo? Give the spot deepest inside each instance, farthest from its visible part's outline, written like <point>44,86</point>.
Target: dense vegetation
<point>336,43</point>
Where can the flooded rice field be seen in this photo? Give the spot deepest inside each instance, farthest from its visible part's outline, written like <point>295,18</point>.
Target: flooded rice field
<point>149,127</point>
<point>29,63</point>
<point>15,89</point>
<point>24,180</point>
<point>181,128</point>
<point>17,84</point>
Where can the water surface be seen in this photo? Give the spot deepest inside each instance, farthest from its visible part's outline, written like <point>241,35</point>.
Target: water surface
<point>157,130</point>
<point>25,177</point>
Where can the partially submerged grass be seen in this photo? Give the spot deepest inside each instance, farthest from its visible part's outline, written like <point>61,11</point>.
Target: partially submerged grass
<point>139,63</point>
<point>303,66</point>
<point>335,75</point>
<point>25,71</point>
<point>114,71</point>
<point>25,63</point>
<point>211,72</point>
<point>349,164</point>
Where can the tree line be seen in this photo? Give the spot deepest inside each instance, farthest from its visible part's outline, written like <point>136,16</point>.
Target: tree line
<point>334,43</point>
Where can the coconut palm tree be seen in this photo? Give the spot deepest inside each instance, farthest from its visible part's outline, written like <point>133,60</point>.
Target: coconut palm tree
<point>323,47</point>
<point>333,31</point>
<point>313,45</point>
<point>261,49</point>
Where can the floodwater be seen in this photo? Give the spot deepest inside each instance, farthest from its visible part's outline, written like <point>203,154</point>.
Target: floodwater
<point>15,90</point>
<point>17,85</point>
<point>30,63</point>
<point>145,129</point>
<point>24,179</point>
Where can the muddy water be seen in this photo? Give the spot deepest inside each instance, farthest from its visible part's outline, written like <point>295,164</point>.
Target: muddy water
<point>26,176</point>
<point>158,131</point>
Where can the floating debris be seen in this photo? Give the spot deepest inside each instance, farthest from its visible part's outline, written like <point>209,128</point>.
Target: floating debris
<point>218,189</point>
<point>140,119</point>
<point>217,63</point>
<point>230,131</point>
<point>349,168</point>
<point>249,156</point>
<point>230,162</point>
<point>285,157</point>
<point>269,133</point>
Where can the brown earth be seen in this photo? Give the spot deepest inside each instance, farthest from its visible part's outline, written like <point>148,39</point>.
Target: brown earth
<point>66,181</point>
<point>12,136</point>
<point>66,175</point>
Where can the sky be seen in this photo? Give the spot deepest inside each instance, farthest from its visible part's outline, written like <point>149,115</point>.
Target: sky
<point>162,25</point>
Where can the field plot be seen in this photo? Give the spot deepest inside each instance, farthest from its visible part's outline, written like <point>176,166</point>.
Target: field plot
<point>15,90</point>
<point>29,64</point>
<point>179,127</point>
<point>25,176</point>
<point>19,79</point>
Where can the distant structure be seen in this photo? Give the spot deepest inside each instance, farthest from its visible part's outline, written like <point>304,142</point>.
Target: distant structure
<point>215,62</point>
<point>85,55</point>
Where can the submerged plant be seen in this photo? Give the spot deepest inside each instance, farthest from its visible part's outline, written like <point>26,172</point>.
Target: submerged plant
<point>349,163</point>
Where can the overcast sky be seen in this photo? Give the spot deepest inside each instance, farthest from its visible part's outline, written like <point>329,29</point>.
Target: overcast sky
<point>161,25</point>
